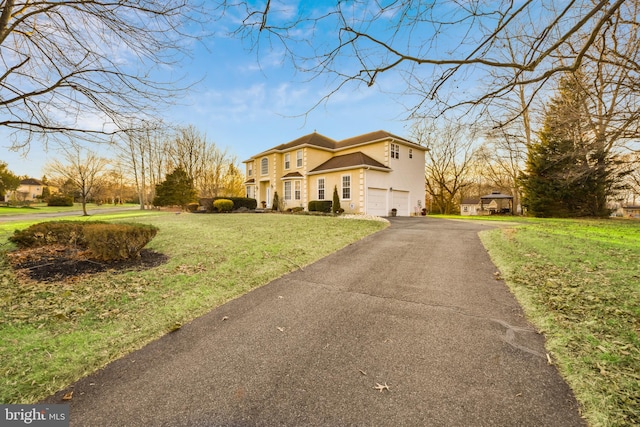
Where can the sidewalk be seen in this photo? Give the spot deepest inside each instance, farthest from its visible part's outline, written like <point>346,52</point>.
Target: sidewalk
<point>406,327</point>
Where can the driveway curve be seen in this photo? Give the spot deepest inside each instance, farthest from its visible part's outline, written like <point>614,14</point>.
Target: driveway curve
<point>408,326</point>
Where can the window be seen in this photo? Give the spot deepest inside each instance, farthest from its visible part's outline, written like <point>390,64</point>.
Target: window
<point>249,192</point>
<point>299,158</point>
<point>346,187</point>
<point>297,192</point>
<point>250,169</point>
<point>264,166</point>
<point>395,151</point>
<point>287,161</point>
<point>320,188</point>
<point>287,190</point>
<point>411,153</point>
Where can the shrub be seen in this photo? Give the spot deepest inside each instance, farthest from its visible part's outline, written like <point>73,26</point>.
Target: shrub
<point>335,208</point>
<point>105,241</point>
<point>238,202</point>
<point>108,242</point>
<point>60,201</point>
<point>68,233</point>
<point>223,205</point>
<point>320,206</point>
<point>193,207</point>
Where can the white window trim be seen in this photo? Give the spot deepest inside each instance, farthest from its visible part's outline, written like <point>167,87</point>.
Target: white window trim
<point>287,184</point>
<point>287,161</point>
<point>263,170</point>
<point>324,190</point>
<point>299,158</point>
<point>297,190</point>
<point>342,187</point>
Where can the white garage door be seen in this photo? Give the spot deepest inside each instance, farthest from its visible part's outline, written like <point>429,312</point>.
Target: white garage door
<point>400,201</point>
<point>377,202</point>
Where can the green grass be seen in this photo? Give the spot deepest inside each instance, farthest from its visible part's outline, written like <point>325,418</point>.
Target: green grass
<point>53,334</point>
<point>43,208</point>
<point>579,283</point>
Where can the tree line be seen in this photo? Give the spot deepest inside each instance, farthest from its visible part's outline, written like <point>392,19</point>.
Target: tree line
<point>141,163</point>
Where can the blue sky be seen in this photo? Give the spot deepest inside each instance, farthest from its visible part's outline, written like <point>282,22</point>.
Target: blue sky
<point>248,107</point>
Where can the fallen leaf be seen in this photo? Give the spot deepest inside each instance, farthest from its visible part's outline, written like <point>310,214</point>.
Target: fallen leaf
<point>68,396</point>
<point>382,387</point>
<point>280,329</point>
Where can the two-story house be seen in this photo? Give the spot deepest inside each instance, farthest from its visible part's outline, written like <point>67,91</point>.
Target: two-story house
<point>30,190</point>
<point>373,173</point>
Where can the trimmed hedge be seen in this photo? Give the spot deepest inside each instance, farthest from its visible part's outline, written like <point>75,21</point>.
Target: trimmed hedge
<point>238,202</point>
<point>67,233</point>
<point>109,242</point>
<point>105,241</point>
<point>60,201</point>
<point>320,206</point>
<point>223,205</point>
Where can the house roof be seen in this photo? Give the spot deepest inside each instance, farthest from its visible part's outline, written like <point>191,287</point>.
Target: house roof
<point>320,141</point>
<point>31,181</point>
<point>349,161</point>
<point>496,195</point>
<point>373,136</point>
<point>292,175</point>
<point>470,201</point>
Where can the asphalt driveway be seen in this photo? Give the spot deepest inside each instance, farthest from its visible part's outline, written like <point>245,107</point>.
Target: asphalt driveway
<point>407,327</point>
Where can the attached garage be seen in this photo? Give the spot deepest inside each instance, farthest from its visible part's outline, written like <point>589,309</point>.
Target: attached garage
<point>377,202</point>
<point>400,201</point>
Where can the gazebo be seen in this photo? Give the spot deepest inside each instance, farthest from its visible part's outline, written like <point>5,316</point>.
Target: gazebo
<point>497,203</point>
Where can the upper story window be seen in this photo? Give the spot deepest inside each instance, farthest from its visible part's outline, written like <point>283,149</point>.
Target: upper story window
<point>287,161</point>
<point>264,166</point>
<point>299,158</point>
<point>346,187</point>
<point>411,153</point>
<point>250,169</point>
<point>395,151</point>
<point>320,188</point>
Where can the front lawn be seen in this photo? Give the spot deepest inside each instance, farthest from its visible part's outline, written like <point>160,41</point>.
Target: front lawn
<point>579,283</point>
<point>52,334</point>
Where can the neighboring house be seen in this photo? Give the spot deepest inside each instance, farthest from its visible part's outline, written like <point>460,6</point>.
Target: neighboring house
<point>494,203</point>
<point>631,211</point>
<point>470,207</point>
<point>374,173</point>
<point>28,191</point>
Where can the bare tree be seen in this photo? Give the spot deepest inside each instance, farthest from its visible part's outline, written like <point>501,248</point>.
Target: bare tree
<point>449,168</point>
<point>84,68</point>
<point>438,46</point>
<point>143,152</point>
<point>82,168</point>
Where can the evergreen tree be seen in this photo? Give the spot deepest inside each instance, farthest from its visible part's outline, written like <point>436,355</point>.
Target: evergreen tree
<point>176,189</point>
<point>568,172</point>
<point>335,207</point>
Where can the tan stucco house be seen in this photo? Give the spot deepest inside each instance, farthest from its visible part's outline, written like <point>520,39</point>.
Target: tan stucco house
<point>28,191</point>
<point>374,173</point>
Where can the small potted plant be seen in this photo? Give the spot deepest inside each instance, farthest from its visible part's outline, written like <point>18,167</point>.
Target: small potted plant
<point>394,212</point>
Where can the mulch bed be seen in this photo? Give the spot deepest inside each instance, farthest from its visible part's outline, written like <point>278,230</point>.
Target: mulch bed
<point>57,263</point>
